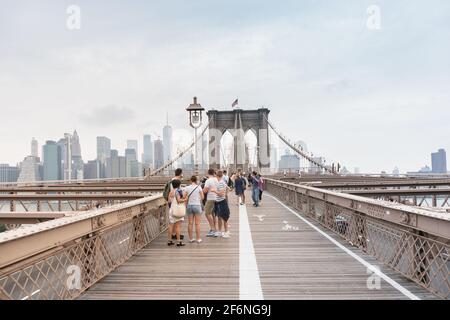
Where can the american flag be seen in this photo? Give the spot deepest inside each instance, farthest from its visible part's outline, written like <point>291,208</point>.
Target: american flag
<point>235,103</point>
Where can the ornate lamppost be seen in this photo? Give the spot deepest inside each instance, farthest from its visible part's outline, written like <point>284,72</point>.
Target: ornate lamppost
<point>195,120</point>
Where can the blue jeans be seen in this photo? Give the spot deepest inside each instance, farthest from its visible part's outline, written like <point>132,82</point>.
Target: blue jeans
<point>255,195</point>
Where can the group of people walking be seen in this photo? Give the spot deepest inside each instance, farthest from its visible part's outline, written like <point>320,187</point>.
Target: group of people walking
<point>209,196</point>
<point>241,182</point>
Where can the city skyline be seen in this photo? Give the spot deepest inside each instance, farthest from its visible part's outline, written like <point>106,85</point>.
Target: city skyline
<point>372,99</point>
<point>133,144</point>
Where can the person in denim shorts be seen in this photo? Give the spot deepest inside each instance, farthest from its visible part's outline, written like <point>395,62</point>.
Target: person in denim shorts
<point>194,196</point>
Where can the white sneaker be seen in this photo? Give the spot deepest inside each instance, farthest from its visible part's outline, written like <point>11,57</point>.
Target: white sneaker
<point>217,234</point>
<point>192,240</point>
<point>199,241</point>
<point>225,235</point>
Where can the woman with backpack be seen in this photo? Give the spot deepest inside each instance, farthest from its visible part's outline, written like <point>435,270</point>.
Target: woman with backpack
<point>177,212</point>
<point>194,199</point>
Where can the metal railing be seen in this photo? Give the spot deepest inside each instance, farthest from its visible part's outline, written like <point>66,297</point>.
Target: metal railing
<point>409,240</point>
<point>60,259</point>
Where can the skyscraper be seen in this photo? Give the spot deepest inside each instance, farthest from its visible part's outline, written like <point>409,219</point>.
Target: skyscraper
<point>8,173</point>
<point>65,145</point>
<point>76,147</point>
<point>52,161</point>
<point>439,161</point>
<point>62,143</point>
<point>112,165</point>
<point>77,160</point>
<point>103,148</point>
<point>159,153</point>
<point>167,142</point>
<point>133,144</point>
<point>92,169</point>
<point>30,170</point>
<point>131,163</point>
<point>289,162</point>
<point>34,148</point>
<point>147,156</point>
<point>103,152</point>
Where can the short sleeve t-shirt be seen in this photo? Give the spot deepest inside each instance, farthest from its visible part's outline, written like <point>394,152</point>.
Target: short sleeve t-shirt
<point>194,191</point>
<point>221,186</point>
<point>211,184</point>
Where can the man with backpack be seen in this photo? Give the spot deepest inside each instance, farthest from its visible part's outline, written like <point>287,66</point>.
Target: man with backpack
<point>167,189</point>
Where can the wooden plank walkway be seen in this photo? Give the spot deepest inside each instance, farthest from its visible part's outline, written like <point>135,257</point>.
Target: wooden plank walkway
<point>292,263</point>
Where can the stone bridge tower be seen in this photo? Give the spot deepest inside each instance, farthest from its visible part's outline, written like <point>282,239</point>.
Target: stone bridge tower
<point>238,122</point>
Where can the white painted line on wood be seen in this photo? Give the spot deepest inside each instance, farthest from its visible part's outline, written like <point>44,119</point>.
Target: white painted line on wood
<point>249,282</point>
<point>375,270</point>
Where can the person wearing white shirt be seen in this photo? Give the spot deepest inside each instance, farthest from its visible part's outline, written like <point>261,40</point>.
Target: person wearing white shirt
<point>194,197</point>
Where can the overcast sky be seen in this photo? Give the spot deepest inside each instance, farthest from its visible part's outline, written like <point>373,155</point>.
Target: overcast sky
<point>372,99</point>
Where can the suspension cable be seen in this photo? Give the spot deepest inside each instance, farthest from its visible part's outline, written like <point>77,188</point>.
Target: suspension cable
<point>297,150</point>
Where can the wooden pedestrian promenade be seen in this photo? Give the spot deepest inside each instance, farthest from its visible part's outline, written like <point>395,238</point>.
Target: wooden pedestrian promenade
<point>273,253</point>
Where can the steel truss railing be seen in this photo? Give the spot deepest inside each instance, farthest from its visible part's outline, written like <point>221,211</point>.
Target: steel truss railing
<point>409,240</point>
<point>62,258</point>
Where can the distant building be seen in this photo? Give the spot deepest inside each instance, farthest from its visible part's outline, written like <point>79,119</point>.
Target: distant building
<point>132,167</point>
<point>77,161</point>
<point>112,165</point>
<point>30,170</point>
<point>147,155</point>
<point>289,162</point>
<point>133,144</point>
<point>396,172</point>
<point>115,166</point>
<point>65,145</point>
<point>425,169</point>
<point>9,173</point>
<point>103,148</point>
<point>34,148</point>
<point>344,170</point>
<point>52,155</point>
<point>92,169</point>
<point>158,153</point>
<point>167,142</point>
<point>439,161</point>
<point>103,152</point>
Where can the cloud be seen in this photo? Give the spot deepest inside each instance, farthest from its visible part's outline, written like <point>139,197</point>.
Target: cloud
<point>107,116</point>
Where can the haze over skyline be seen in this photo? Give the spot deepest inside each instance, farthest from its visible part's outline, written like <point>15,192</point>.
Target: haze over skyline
<point>373,99</point>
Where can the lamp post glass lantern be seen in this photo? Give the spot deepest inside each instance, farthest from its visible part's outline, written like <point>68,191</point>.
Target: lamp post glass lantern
<point>195,120</point>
